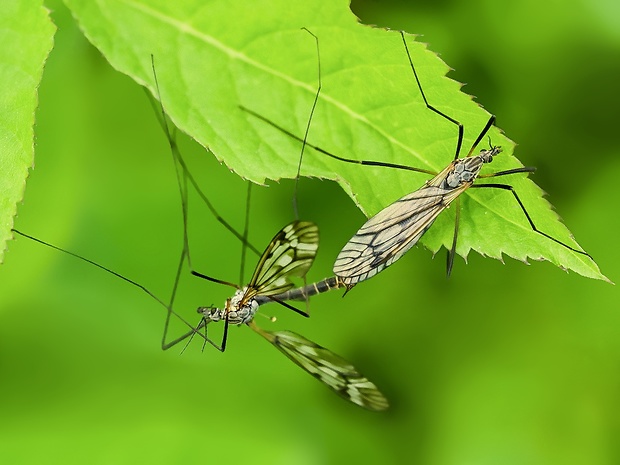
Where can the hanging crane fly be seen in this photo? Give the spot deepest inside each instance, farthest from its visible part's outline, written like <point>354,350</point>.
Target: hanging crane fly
<point>290,253</point>
<point>389,234</point>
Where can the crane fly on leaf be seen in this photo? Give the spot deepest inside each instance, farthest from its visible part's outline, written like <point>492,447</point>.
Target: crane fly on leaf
<point>389,234</point>
<point>290,253</point>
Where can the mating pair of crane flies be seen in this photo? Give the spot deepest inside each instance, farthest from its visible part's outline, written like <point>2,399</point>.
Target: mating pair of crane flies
<point>389,234</point>
<point>381,241</point>
<point>290,253</point>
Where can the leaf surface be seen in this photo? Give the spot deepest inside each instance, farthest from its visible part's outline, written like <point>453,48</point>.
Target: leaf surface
<point>213,56</point>
<point>26,38</point>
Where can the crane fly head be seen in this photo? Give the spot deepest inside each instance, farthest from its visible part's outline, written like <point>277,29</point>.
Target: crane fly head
<point>211,313</point>
<point>487,155</point>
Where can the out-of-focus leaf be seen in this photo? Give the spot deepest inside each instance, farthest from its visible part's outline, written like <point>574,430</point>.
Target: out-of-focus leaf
<point>26,38</point>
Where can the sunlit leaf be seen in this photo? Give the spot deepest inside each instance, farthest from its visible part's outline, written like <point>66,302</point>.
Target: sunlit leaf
<point>212,57</point>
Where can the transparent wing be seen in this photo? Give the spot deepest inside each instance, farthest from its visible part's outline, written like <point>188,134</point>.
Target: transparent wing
<point>330,369</point>
<point>290,253</point>
<point>386,237</point>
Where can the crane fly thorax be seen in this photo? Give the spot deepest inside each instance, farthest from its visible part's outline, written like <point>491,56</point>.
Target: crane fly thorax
<point>238,309</point>
<point>466,170</point>
<point>241,309</point>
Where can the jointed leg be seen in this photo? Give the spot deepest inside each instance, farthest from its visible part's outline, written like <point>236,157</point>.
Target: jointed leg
<point>527,215</point>
<point>452,251</point>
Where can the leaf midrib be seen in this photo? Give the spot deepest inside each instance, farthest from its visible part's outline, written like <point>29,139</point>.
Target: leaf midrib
<point>234,54</point>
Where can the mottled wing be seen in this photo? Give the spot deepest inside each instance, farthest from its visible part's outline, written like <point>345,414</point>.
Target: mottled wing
<point>290,253</point>
<point>330,369</point>
<point>386,237</point>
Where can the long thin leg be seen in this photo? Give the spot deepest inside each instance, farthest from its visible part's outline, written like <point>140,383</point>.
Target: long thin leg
<point>523,169</point>
<point>213,280</point>
<point>107,270</point>
<point>185,255</point>
<point>182,183</point>
<point>222,348</point>
<point>246,229</point>
<point>484,131</point>
<point>164,344</point>
<point>189,336</point>
<point>203,323</point>
<point>304,142</point>
<point>452,251</point>
<point>183,175</point>
<point>305,139</point>
<point>527,215</point>
<point>289,306</point>
<point>174,342</point>
<point>459,141</point>
<point>211,208</point>
<point>177,156</point>
<point>331,155</point>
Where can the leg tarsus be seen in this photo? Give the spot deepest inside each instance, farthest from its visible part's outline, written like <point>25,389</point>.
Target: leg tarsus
<point>452,251</point>
<point>527,215</point>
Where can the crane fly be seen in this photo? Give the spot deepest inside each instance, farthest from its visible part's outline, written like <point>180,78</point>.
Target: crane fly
<point>290,253</point>
<point>389,234</point>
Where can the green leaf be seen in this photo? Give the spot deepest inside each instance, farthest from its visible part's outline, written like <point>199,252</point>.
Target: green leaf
<point>26,37</point>
<point>212,57</point>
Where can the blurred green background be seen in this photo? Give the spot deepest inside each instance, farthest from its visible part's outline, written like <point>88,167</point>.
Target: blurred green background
<point>503,363</point>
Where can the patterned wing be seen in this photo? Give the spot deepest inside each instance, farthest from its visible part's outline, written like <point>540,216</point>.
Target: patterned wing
<point>386,237</point>
<point>330,369</point>
<point>290,253</point>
